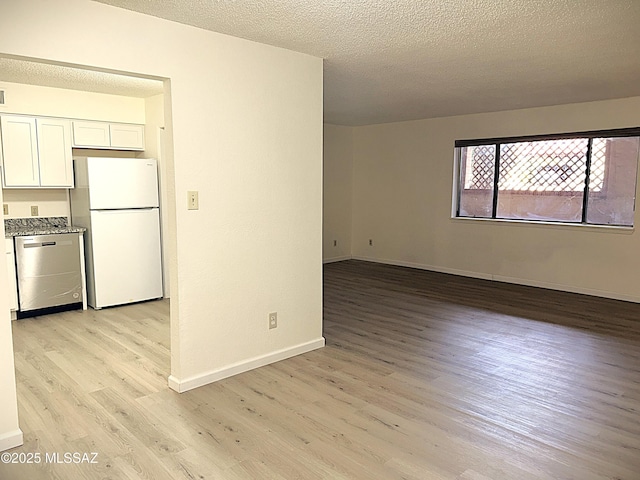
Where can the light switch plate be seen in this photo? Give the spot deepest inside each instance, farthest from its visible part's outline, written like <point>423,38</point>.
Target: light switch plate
<point>5,208</point>
<point>192,200</point>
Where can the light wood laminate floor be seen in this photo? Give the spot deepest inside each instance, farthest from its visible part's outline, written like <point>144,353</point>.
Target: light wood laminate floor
<point>424,376</point>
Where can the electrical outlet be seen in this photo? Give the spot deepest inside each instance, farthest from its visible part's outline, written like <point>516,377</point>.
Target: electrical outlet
<point>34,210</point>
<point>371,242</point>
<point>273,320</point>
<point>192,200</point>
<point>5,208</point>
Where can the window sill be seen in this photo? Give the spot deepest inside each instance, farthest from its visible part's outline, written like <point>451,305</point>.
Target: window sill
<point>554,225</point>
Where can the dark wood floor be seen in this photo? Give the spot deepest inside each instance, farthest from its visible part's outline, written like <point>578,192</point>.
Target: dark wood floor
<point>424,376</point>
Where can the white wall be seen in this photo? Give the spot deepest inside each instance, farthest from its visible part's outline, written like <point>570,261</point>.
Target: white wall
<point>337,174</point>
<point>10,434</point>
<point>403,176</point>
<point>65,103</point>
<point>50,202</point>
<point>245,130</point>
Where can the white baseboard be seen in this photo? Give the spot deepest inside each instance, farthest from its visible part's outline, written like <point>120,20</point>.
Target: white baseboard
<point>506,279</point>
<point>336,259</point>
<point>11,440</point>
<point>568,288</point>
<point>431,268</point>
<point>183,385</point>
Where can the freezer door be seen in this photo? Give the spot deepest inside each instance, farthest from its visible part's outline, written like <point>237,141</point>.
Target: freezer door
<point>125,257</point>
<point>117,183</point>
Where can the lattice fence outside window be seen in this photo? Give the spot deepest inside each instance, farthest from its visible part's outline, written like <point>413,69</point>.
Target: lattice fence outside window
<point>480,167</point>
<point>598,164</point>
<point>542,166</point>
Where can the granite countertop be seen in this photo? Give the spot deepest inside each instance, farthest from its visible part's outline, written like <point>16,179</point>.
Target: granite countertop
<point>18,227</point>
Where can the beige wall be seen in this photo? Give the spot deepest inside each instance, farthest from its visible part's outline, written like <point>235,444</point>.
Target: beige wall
<point>337,173</point>
<point>244,128</point>
<point>403,177</point>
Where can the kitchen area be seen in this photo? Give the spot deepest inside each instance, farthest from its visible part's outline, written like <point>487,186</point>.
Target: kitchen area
<point>81,192</point>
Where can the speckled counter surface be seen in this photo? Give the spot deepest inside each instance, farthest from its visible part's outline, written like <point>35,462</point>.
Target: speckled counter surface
<point>18,227</point>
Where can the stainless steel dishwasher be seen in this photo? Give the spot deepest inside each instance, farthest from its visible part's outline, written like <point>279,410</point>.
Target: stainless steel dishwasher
<point>48,271</point>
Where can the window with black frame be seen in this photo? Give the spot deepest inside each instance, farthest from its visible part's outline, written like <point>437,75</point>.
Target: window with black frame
<point>583,178</point>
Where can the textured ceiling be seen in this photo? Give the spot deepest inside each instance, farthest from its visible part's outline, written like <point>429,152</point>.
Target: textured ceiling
<point>20,71</point>
<point>406,59</point>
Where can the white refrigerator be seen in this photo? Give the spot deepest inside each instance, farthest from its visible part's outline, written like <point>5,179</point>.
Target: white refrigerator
<point>116,200</point>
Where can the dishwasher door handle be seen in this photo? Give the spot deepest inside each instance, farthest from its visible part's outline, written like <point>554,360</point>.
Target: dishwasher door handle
<point>32,245</point>
<point>38,244</point>
<point>46,244</point>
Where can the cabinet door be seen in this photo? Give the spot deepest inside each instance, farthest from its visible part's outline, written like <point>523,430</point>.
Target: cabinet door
<point>127,137</point>
<point>11,271</point>
<point>91,135</point>
<point>20,151</point>
<point>54,149</point>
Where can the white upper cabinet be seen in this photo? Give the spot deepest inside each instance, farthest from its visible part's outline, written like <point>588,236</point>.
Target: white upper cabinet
<point>91,135</point>
<point>103,135</point>
<point>36,152</point>
<point>54,149</point>
<point>19,151</point>
<point>127,137</point>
